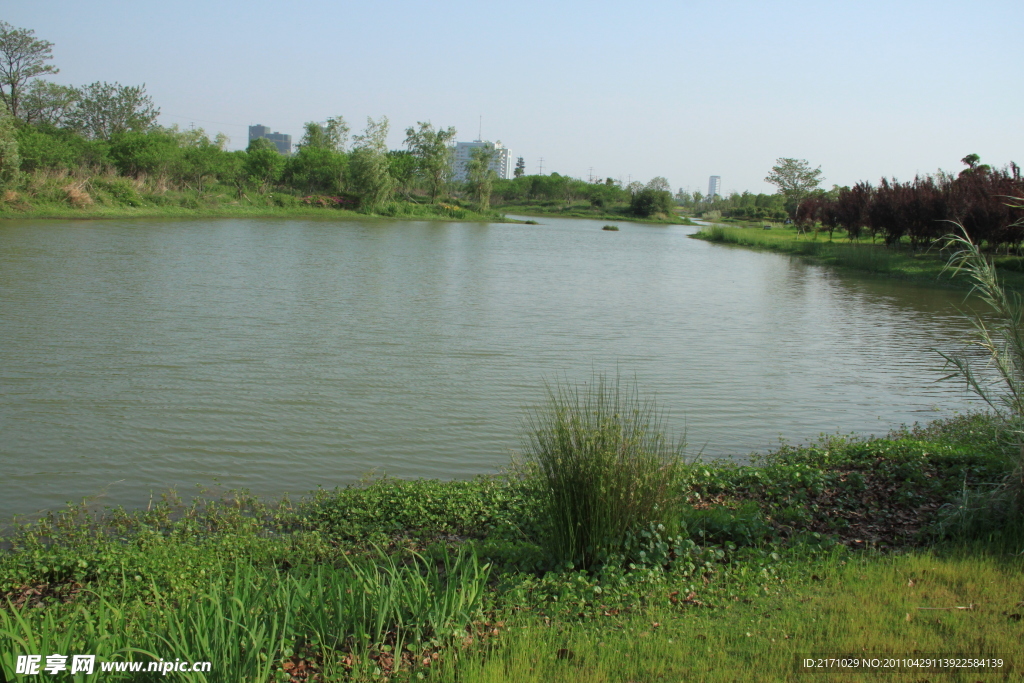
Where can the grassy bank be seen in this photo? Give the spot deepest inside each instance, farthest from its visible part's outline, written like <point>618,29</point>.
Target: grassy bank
<point>923,266</point>
<point>845,545</point>
<point>583,209</point>
<point>60,195</point>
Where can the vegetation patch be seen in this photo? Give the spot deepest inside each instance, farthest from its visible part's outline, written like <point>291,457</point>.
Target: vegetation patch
<point>450,579</point>
<point>897,260</point>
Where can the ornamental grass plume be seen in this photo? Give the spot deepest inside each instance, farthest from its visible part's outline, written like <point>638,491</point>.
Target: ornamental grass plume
<point>603,466</point>
<point>999,335</point>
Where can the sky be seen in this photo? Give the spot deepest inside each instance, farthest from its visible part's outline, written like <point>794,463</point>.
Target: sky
<point>679,89</point>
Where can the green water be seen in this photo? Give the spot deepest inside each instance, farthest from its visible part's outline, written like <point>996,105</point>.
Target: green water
<point>279,355</point>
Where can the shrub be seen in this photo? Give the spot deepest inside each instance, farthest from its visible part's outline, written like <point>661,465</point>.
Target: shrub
<point>648,202</point>
<point>603,466</point>
<point>284,201</point>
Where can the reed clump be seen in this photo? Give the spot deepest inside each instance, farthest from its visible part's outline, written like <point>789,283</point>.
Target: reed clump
<point>998,335</point>
<point>604,468</point>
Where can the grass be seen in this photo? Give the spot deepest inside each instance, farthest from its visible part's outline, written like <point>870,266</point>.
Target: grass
<point>584,209</point>
<point>842,605</point>
<point>925,266</point>
<point>251,623</point>
<point>49,194</point>
<point>603,466</point>
<point>810,548</point>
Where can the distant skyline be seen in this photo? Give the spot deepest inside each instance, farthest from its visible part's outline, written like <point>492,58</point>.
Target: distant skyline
<point>861,89</point>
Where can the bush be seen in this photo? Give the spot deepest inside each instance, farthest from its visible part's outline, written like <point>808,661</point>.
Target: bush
<point>648,202</point>
<point>121,190</point>
<point>284,201</point>
<point>604,469</point>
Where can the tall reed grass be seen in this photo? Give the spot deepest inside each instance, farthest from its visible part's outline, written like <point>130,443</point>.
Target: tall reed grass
<point>374,614</point>
<point>999,336</point>
<point>604,467</point>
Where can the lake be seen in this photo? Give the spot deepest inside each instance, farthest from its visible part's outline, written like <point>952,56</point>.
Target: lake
<point>279,355</point>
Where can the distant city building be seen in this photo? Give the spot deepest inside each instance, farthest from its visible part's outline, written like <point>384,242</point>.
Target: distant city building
<point>501,164</point>
<point>281,141</point>
<point>714,186</point>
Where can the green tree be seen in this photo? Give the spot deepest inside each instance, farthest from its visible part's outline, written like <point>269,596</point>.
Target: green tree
<point>403,167</point>
<point>46,147</point>
<point>263,164</point>
<point>479,175</point>
<point>659,184</point>
<point>233,171</point>
<point>649,202</point>
<point>10,160</point>
<point>971,161</point>
<point>795,179</point>
<point>136,152</point>
<point>199,159</point>
<point>48,103</point>
<point>316,170</point>
<point>432,150</point>
<point>370,166</point>
<point>105,109</point>
<point>520,170</point>
<point>331,135</point>
<point>22,58</point>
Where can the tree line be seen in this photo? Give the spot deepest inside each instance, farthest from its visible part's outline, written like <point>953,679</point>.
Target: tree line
<point>643,200</point>
<point>106,128</point>
<point>984,200</point>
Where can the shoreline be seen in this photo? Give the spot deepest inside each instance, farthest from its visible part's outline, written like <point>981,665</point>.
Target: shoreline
<point>808,550</point>
<point>922,267</point>
<point>539,213</point>
<point>105,213</point>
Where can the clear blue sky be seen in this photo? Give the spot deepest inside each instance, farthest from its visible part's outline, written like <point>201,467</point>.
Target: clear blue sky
<point>678,89</point>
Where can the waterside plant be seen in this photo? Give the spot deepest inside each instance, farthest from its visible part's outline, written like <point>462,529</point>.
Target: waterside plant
<point>603,466</point>
<point>808,549</point>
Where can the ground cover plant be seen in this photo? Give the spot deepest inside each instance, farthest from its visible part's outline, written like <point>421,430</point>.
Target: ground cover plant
<point>460,581</point>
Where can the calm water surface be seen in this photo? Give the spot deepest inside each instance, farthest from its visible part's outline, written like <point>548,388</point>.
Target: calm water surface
<point>281,355</point>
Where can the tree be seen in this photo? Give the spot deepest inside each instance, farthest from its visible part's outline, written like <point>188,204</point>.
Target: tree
<point>263,164</point>
<point>198,160</point>
<point>48,103</point>
<point>136,152</point>
<point>403,167</point>
<point>316,170</point>
<point>108,108</point>
<point>659,184</point>
<point>370,166</point>
<point>520,168</point>
<point>971,162</point>
<point>433,153</point>
<point>654,198</point>
<point>332,135</point>
<point>22,58</point>
<point>479,175</point>
<point>10,161</point>
<point>795,179</point>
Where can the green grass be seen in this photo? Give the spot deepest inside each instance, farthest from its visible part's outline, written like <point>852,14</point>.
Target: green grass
<point>756,630</point>
<point>603,466</point>
<point>811,548</point>
<point>59,195</point>
<point>925,266</point>
<point>583,209</point>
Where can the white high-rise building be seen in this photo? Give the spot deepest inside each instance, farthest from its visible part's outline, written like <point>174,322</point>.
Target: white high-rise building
<point>715,186</point>
<point>501,164</point>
